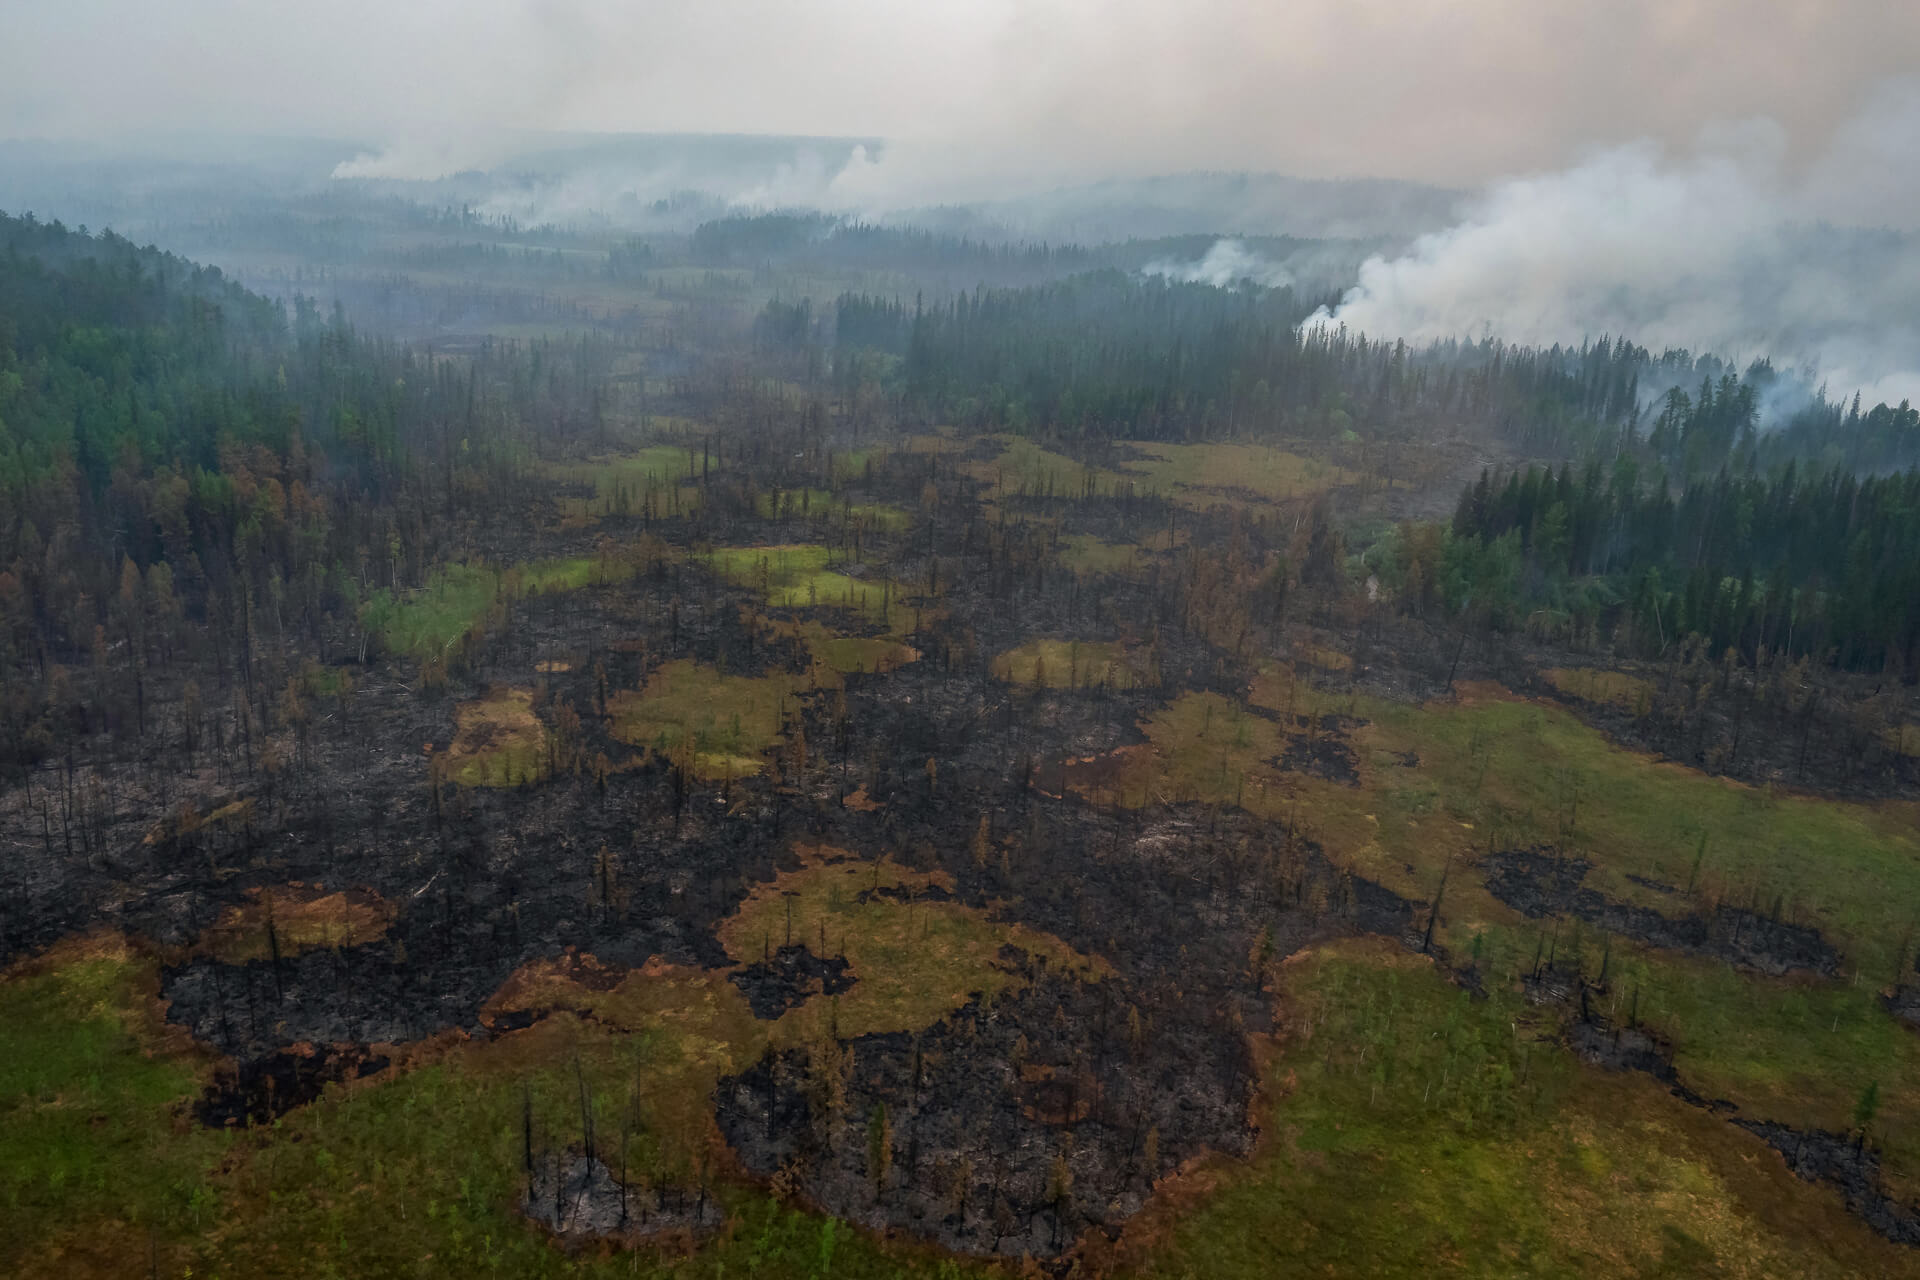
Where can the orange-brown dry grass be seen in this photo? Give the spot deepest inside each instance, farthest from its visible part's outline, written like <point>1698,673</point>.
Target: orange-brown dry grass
<point>302,917</point>
<point>498,740</point>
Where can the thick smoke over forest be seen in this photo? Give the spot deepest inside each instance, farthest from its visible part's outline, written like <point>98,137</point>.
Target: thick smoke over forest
<point>1722,248</point>
<point>1227,263</point>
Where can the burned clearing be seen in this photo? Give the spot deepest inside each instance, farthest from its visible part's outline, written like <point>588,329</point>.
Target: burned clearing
<point>1006,1129</point>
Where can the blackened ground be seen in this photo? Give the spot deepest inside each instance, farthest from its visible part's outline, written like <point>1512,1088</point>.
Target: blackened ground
<point>789,977</point>
<point>1617,1047</point>
<point>580,1199</point>
<point>1538,882</point>
<point>1323,756</point>
<point>441,962</point>
<point>1851,1166</point>
<point>1696,716</point>
<point>1177,900</point>
<point>257,1091</point>
<point>1007,1129</point>
<point>1903,1002</point>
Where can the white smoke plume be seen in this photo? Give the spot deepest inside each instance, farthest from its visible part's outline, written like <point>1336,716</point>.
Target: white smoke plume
<point>1227,264</point>
<point>1721,249</point>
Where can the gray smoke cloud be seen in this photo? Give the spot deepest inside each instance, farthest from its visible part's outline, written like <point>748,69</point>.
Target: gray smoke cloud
<point>1721,247</point>
<point>1227,264</point>
<point>1016,92</point>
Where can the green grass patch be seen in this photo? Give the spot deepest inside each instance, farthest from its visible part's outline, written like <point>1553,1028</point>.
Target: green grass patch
<point>432,623</point>
<point>1024,469</point>
<point>801,576</point>
<point>819,504</point>
<point>96,1172</point>
<point>412,1173</point>
<point>1537,774</point>
<point>420,1175</point>
<point>294,918</point>
<point>1497,772</point>
<point>1204,475</point>
<point>1087,555</point>
<point>1202,748</point>
<point>857,655</point>
<point>1419,1131</point>
<point>652,481</point>
<point>719,726</point>
<point>1443,784</point>
<point>1069,664</point>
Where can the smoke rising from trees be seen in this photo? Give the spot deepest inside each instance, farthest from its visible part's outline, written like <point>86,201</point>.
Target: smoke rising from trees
<point>1719,247</point>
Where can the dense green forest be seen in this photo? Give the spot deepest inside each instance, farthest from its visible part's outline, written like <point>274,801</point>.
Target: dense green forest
<point>1109,355</point>
<point>1117,356</point>
<point>1800,562</point>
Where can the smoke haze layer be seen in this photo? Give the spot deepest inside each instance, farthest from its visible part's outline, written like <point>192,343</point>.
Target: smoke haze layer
<point>1715,249</point>
<point>1048,92</point>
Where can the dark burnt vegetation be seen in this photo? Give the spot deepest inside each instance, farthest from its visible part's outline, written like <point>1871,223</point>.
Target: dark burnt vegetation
<point>1850,1166</point>
<point>1541,882</point>
<point>584,1202</point>
<point>1007,1129</point>
<point>788,977</point>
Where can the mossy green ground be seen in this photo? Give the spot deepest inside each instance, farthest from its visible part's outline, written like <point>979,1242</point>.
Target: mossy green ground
<point>1197,476</point>
<point>724,724</point>
<point>429,624</point>
<point>802,576</point>
<point>1069,664</point>
<point>846,655</point>
<point>1417,1131</point>
<point>1204,475</point>
<point>913,961</point>
<point>1593,684</point>
<point>294,918</point>
<point>835,511</point>
<point>651,480</point>
<point>1087,555</point>
<point>412,1174</point>
<point>1026,469</point>
<point>417,1171</point>
<point>96,1172</point>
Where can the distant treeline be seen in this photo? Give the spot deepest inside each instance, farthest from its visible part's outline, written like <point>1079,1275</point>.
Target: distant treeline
<point>1109,354</point>
<point>786,238</point>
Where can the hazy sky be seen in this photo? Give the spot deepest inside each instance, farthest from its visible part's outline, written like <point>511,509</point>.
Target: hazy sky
<point>1454,92</point>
